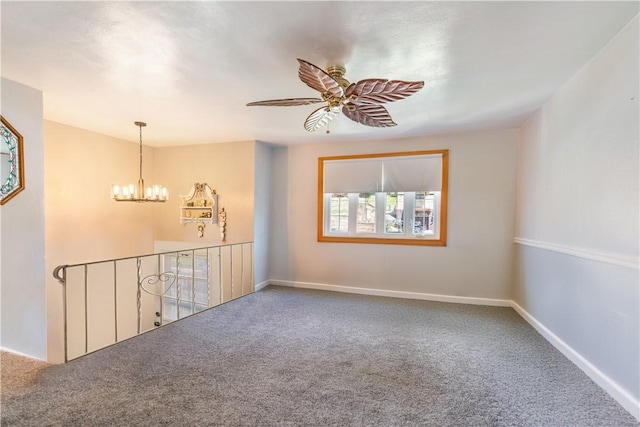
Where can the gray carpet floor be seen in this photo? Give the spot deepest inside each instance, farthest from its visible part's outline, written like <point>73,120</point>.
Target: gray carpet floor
<point>291,357</point>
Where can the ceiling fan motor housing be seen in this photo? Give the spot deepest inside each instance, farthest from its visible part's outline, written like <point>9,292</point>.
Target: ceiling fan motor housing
<point>337,72</point>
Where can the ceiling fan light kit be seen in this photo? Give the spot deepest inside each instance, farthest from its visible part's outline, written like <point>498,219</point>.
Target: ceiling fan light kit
<point>358,101</point>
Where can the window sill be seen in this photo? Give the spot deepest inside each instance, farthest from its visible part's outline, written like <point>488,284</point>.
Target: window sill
<point>418,241</point>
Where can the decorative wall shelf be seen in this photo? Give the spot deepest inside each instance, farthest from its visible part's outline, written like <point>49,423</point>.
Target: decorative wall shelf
<point>200,206</point>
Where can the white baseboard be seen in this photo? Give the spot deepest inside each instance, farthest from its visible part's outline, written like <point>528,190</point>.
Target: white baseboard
<point>393,294</point>
<point>624,398</point>
<point>261,285</point>
<point>17,353</point>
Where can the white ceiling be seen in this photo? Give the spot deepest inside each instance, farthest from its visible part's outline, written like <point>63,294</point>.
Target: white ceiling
<point>189,68</point>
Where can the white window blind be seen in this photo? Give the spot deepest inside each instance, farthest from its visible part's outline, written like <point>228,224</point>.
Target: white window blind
<point>412,173</point>
<point>384,174</point>
<point>353,176</point>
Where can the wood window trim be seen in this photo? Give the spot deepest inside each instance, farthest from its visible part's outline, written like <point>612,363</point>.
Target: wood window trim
<point>441,241</point>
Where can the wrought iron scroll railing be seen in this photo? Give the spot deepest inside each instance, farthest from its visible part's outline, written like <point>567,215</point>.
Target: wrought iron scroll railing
<point>105,302</point>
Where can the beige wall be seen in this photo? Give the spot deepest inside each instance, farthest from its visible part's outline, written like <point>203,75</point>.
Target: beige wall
<point>82,223</point>
<point>476,263</point>
<point>228,168</point>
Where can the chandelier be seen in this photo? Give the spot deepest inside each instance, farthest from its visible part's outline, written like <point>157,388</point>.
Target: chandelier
<point>137,193</point>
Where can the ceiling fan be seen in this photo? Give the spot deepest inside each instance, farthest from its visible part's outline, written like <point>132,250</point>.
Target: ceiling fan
<point>358,101</point>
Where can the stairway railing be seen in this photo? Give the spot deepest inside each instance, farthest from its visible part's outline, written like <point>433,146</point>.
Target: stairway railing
<point>106,302</point>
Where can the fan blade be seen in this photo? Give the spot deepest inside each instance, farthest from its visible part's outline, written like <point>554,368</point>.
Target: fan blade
<point>379,91</point>
<point>316,78</point>
<point>369,115</point>
<point>289,102</point>
<point>319,118</point>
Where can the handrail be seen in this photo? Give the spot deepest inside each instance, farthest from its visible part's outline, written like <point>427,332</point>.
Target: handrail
<point>62,267</point>
<point>56,272</point>
<point>176,289</point>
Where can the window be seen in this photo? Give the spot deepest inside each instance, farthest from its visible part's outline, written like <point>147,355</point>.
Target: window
<point>391,198</point>
<point>339,212</point>
<point>423,215</point>
<point>366,217</point>
<point>190,292</point>
<point>394,213</point>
